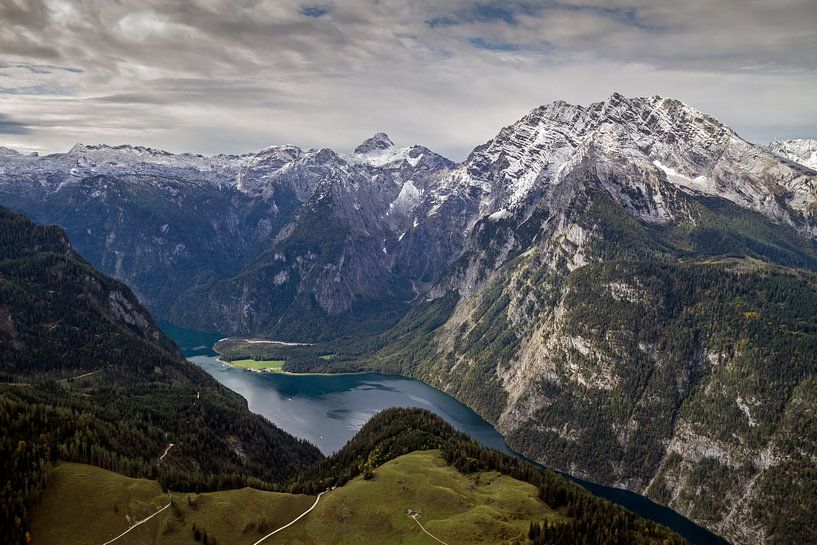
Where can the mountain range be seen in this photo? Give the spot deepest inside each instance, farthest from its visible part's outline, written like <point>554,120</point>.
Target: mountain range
<point>625,289</point>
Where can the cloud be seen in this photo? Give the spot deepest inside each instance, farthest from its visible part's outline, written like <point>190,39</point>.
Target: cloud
<point>40,89</point>
<point>627,15</point>
<point>482,43</point>
<point>315,10</point>
<point>216,75</point>
<point>10,126</point>
<point>39,68</point>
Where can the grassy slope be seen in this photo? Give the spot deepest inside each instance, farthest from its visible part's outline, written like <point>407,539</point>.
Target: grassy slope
<point>498,508</point>
<point>495,509</point>
<point>294,358</point>
<point>78,508</point>
<point>266,365</point>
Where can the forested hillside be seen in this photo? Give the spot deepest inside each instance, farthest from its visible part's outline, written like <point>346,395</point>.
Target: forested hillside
<point>88,377</point>
<point>674,361</point>
<point>680,380</point>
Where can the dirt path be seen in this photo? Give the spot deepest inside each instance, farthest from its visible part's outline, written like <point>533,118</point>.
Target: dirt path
<point>302,515</point>
<point>137,524</point>
<point>170,446</point>
<point>423,528</point>
<point>80,376</point>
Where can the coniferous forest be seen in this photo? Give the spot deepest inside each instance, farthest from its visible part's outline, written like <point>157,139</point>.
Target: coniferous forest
<point>135,395</point>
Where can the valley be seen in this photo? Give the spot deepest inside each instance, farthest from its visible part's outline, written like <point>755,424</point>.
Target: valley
<point>71,435</point>
<point>329,408</point>
<point>523,272</point>
<point>625,290</point>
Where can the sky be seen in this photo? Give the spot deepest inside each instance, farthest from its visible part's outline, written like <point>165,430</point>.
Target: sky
<point>218,76</point>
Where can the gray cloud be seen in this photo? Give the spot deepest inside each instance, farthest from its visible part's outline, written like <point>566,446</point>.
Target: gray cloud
<point>11,126</point>
<point>39,68</point>
<point>224,76</point>
<point>41,89</point>
<point>315,10</point>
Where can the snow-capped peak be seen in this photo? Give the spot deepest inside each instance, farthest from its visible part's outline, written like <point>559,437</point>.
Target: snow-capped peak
<point>799,150</point>
<point>659,143</point>
<point>378,142</point>
<point>137,151</point>
<point>380,152</point>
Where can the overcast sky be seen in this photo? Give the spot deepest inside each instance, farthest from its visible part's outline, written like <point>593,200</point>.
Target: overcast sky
<point>213,76</point>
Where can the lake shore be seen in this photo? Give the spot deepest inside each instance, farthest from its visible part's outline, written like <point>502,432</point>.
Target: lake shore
<point>280,371</point>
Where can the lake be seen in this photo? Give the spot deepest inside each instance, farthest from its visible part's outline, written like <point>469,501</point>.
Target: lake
<point>328,410</point>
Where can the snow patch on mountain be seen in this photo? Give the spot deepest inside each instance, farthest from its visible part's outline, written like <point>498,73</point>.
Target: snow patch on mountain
<point>699,183</point>
<point>500,215</point>
<point>406,200</point>
<point>799,150</point>
<point>388,157</point>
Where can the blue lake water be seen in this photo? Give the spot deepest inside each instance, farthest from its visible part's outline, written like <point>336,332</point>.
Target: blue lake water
<point>328,410</point>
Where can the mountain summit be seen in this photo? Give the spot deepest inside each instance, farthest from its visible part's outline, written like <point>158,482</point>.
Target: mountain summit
<point>379,142</point>
<point>655,144</point>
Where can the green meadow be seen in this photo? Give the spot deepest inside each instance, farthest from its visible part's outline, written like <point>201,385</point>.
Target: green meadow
<point>273,366</point>
<point>86,505</point>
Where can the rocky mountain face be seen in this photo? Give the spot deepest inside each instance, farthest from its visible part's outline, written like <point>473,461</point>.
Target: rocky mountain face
<point>625,289</point>
<point>340,264</point>
<point>154,220</point>
<point>799,150</point>
<point>34,261</point>
<point>632,304</point>
<point>238,244</point>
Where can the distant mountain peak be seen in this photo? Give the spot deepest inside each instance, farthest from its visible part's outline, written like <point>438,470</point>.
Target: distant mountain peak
<point>799,150</point>
<point>80,148</point>
<point>378,142</point>
<point>615,97</point>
